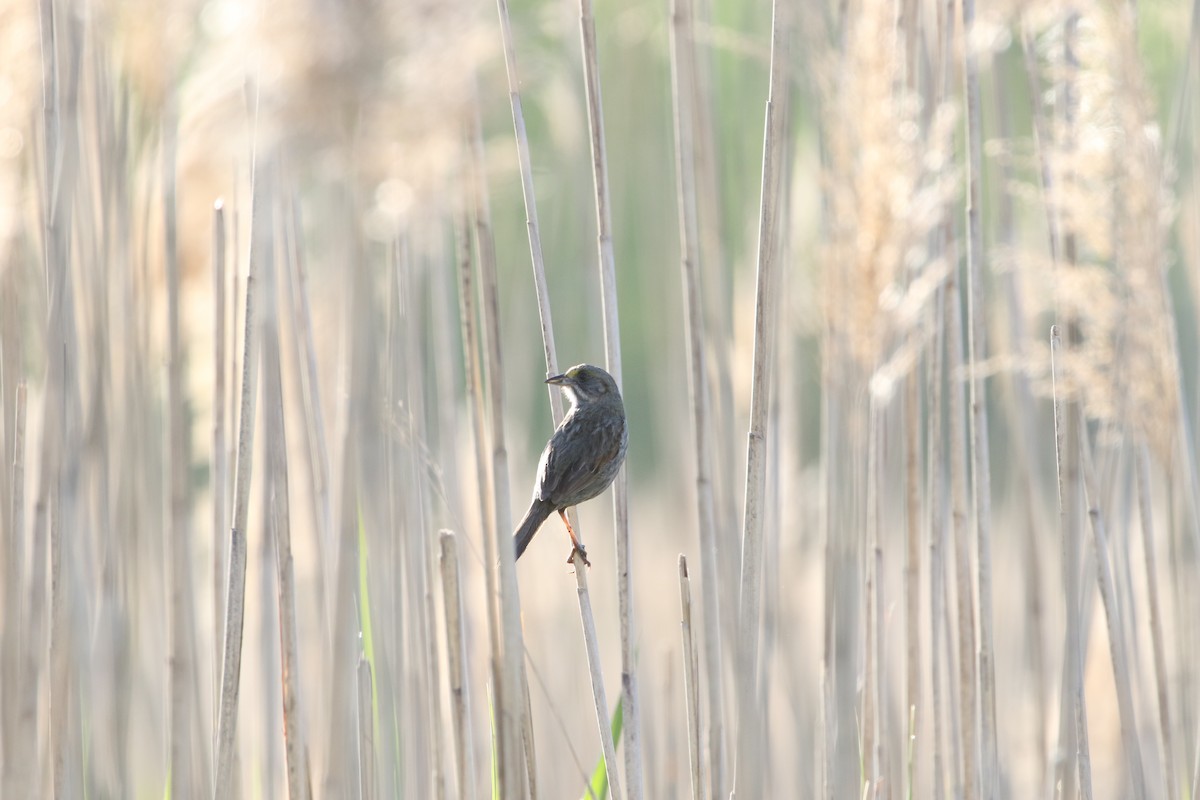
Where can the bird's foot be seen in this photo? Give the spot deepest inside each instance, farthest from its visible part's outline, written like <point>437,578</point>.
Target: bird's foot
<point>582,555</point>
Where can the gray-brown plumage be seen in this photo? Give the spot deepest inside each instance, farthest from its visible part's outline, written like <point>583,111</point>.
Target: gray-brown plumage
<point>583,456</point>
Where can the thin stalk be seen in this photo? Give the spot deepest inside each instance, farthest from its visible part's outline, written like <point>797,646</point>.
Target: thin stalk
<point>13,602</point>
<point>510,602</point>
<point>1162,689</point>
<point>366,729</point>
<point>507,757</point>
<point>456,651</point>
<point>235,598</point>
<point>937,540</point>
<point>422,556</point>
<point>546,319</point>
<point>525,167</point>
<point>1073,657</point>
<point>1112,614</point>
<point>750,760</point>
<point>220,464</point>
<point>691,691</point>
<point>612,355</point>
<point>872,709</point>
<point>280,526</point>
<point>507,762</point>
<point>981,490</point>
<point>962,558</point>
<point>183,669</point>
<point>592,644</point>
<point>296,283</point>
<point>685,99</point>
<point>912,573</point>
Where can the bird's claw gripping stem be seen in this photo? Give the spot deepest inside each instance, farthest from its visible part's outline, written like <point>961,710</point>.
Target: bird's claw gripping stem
<point>578,548</point>
<point>576,545</point>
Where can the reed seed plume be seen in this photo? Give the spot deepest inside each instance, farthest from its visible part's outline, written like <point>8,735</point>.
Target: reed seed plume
<point>889,185</point>
<point>1113,196</point>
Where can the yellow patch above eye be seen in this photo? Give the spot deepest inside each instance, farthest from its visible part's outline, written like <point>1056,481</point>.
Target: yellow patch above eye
<point>574,373</point>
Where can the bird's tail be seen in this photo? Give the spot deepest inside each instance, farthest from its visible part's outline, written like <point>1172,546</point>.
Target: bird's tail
<point>538,511</point>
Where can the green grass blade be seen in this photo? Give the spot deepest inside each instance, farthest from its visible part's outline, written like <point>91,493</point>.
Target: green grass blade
<point>597,789</point>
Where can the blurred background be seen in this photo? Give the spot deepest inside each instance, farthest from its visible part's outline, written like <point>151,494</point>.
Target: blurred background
<point>154,154</point>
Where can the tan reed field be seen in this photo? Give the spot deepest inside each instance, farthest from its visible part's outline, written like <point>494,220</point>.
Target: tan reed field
<point>901,300</point>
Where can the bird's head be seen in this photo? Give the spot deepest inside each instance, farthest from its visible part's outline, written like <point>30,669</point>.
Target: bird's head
<point>586,384</point>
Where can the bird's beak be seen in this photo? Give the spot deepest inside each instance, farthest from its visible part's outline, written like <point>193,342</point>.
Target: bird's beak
<point>558,380</point>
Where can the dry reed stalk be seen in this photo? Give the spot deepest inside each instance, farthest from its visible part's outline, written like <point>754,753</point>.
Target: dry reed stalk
<point>421,558</point>
<point>55,275</point>
<point>1170,768</point>
<point>506,732</point>
<point>456,652</point>
<point>366,729</point>
<point>1023,415</point>
<point>1112,613</point>
<point>981,491</point>
<point>62,693</point>
<point>235,598</point>
<point>183,728</point>
<point>592,644</point>
<point>546,319</point>
<point>279,524</point>
<point>967,685</point>
<point>510,602</point>
<point>912,573</point>
<point>525,168</point>
<point>691,674</point>
<point>527,739</point>
<point>719,304</point>
<point>748,763</point>
<point>1073,657</point>
<point>686,97</point>
<point>220,464</point>
<point>14,630</point>
<point>296,284</point>
<point>937,543</point>
<point>872,706</point>
<point>634,780</point>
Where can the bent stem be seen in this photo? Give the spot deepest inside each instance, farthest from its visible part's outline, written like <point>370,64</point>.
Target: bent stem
<point>547,325</point>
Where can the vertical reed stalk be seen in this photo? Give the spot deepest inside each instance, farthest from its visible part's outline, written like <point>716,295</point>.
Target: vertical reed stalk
<point>691,690</point>
<point>749,760</point>
<point>599,696</point>
<point>184,673</point>
<point>279,523</point>
<point>912,574</point>
<point>981,491</point>
<point>510,603</point>
<point>366,729</point>
<point>456,650</point>
<point>1162,688</point>
<point>937,541</point>
<point>296,282</point>
<point>544,314</point>
<point>504,735</point>
<point>220,466</point>
<point>685,96</point>
<point>235,598</point>
<point>525,167</point>
<point>1112,614</point>
<point>14,632</point>
<point>612,355</point>
<point>1073,656</point>
<point>967,685</point>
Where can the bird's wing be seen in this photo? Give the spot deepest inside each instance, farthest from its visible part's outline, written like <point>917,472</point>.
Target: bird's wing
<point>565,468</point>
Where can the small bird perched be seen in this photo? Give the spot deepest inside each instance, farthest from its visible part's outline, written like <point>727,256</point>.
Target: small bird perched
<point>583,456</point>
